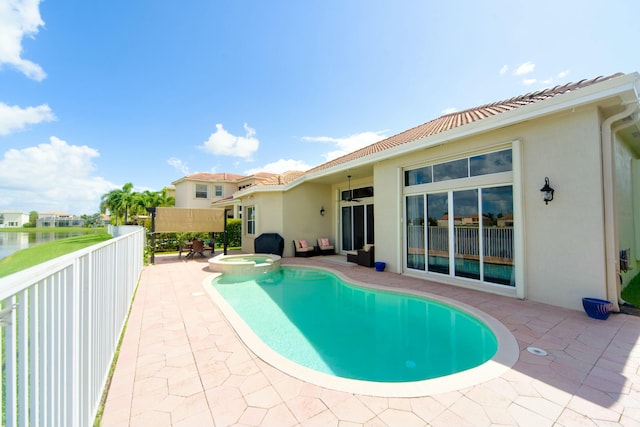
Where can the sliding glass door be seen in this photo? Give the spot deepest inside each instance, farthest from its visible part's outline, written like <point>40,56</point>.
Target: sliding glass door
<point>475,242</point>
<point>357,226</point>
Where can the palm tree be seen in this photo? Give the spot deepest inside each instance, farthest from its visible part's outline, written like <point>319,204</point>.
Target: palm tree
<point>118,201</point>
<point>157,198</point>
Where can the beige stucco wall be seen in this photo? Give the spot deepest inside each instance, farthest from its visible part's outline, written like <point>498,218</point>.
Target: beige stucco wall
<point>563,244</point>
<point>294,214</point>
<point>269,216</point>
<point>186,194</point>
<point>302,215</point>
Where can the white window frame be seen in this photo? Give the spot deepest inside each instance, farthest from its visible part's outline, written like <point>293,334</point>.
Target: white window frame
<point>513,178</point>
<point>219,191</point>
<point>251,218</point>
<point>206,188</point>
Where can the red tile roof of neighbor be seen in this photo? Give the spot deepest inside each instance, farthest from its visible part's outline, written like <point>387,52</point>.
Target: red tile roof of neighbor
<point>224,176</point>
<point>460,118</point>
<point>283,178</point>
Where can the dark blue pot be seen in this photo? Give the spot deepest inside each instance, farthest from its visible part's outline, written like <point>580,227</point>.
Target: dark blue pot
<point>597,308</point>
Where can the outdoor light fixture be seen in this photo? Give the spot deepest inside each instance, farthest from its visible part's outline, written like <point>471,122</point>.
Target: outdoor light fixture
<point>547,191</point>
<point>322,211</point>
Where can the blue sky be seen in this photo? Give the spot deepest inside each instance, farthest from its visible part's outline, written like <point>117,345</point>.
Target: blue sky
<point>97,94</point>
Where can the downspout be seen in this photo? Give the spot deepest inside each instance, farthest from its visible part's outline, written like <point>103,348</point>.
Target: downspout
<point>612,266</point>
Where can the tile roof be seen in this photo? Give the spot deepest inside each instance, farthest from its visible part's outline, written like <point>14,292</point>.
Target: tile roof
<point>205,176</point>
<point>460,118</point>
<point>283,178</point>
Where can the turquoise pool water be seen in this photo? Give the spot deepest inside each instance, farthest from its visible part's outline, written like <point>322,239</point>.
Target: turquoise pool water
<point>323,323</point>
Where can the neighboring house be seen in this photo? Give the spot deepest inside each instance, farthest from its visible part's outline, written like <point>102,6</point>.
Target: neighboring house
<point>205,190</point>
<point>58,219</point>
<point>13,219</point>
<point>486,161</point>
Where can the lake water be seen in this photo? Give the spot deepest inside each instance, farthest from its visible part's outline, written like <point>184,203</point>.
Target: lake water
<point>11,242</point>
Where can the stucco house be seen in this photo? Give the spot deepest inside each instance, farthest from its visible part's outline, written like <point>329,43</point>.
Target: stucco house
<point>206,190</point>
<point>582,139</point>
<point>13,219</point>
<point>58,219</point>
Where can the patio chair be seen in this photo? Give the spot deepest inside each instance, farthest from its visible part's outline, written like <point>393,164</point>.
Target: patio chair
<point>197,247</point>
<point>326,248</point>
<point>364,256</point>
<point>302,249</point>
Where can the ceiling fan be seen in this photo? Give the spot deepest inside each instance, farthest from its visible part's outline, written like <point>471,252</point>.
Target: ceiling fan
<point>350,196</point>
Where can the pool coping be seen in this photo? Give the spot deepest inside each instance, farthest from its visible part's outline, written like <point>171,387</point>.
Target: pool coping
<point>506,356</point>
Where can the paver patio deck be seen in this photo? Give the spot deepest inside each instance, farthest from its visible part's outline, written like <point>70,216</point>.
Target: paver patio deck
<point>182,364</point>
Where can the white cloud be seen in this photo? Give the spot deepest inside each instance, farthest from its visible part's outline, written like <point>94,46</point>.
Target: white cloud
<point>525,68</point>
<point>449,110</point>
<point>280,166</point>
<point>348,144</point>
<point>504,69</point>
<point>563,74</point>
<point>53,176</point>
<point>529,82</point>
<point>19,19</point>
<point>13,118</point>
<point>179,165</point>
<point>223,143</point>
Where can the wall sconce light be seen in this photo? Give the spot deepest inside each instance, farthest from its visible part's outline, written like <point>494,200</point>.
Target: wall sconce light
<point>547,191</point>
<point>322,211</point>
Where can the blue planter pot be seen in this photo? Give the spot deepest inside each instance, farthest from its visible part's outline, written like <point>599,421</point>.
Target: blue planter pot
<point>597,308</point>
<point>380,266</point>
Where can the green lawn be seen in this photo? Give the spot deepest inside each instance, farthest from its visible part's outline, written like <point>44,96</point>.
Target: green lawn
<point>38,254</point>
<point>631,292</point>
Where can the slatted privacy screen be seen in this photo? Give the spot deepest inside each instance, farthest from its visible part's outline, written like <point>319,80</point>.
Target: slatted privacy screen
<point>186,220</point>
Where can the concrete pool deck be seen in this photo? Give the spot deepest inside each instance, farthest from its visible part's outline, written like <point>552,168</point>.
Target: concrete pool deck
<point>181,364</point>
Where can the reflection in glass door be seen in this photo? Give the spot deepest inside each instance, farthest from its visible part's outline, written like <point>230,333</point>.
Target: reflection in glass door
<point>497,235</point>
<point>466,225</point>
<point>415,232</point>
<point>347,226</point>
<point>357,226</point>
<point>438,232</point>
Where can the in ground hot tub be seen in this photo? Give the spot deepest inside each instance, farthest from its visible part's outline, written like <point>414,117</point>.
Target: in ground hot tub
<point>244,264</point>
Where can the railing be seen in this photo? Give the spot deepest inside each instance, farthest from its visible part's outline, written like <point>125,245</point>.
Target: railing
<point>59,339</point>
<point>497,241</point>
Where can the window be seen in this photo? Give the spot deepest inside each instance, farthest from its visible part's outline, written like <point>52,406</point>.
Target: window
<point>417,176</point>
<point>219,191</point>
<point>490,163</point>
<point>476,242</point>
<point>251,220</point>
<point>451,170</point>
<point>466,230</point>
<point>483,164</point>
<point>357,193</point>
<point>202,191</point>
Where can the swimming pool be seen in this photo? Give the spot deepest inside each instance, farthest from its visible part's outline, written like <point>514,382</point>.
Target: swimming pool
<point>355,338</point>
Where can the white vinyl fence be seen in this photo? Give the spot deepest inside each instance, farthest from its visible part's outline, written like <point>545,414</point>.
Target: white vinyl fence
<point>61,326</point>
